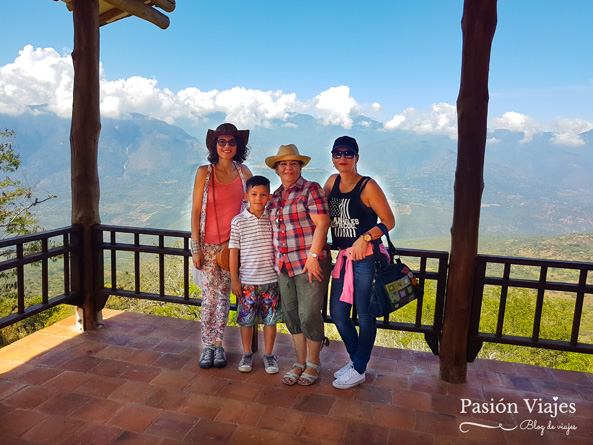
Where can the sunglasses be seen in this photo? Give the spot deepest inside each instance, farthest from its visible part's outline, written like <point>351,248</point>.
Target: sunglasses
<point>223,143</point>
<point>342,154</point>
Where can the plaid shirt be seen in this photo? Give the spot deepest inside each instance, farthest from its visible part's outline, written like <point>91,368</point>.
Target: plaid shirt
<point>292,224</point>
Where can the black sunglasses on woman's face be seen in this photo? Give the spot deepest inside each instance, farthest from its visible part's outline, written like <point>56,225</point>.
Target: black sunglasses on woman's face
<point>342,154</point>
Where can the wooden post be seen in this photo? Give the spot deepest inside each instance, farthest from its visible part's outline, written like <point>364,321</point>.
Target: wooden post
<point>478,25</point>
<point>84,146</point>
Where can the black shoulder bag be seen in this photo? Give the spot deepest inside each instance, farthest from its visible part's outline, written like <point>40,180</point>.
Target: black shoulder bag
<point>394,284</point>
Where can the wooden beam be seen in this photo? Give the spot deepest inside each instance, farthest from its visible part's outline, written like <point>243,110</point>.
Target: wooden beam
<point>84,146</point>
<point>139,9</point>
<point>165,5</point>
<point>478,25</point>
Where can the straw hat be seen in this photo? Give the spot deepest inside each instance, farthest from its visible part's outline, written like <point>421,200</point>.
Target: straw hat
<point>287,153</point>
<point>227,129</point>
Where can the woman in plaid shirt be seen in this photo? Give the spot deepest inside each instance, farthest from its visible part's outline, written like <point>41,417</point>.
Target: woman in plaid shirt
<point>300,219</point>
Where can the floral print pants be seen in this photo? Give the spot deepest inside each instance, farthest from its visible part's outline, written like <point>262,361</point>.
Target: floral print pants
<point>216,296</point>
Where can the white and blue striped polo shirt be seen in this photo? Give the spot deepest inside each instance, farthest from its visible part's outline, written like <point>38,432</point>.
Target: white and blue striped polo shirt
<point>254,238</point>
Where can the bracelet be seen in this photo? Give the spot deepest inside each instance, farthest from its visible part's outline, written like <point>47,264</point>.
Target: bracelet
<point>195,247</point>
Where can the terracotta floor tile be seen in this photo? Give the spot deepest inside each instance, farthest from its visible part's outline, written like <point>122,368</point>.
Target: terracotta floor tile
<point>436,423</point>
<point>81,363</point>
<point>67,381</point>
<point>95,435</point>
<point>393,416</point>
<point>282,420</point>
<point>257,436</point>
<point>240,391</point>
<point>240,412</point>
<point>97,410</point>
<point>166,399</point>
<point>18,421</point>
<point>279,397</point>
<point>202,406</point>
<point>357,433</point>
<point>63,404</point>
<point>352,410</point>
<point>99,386</point>
<point>173,379</point>
<point>412,399</point>
<point>28,397</point>
<point>171,361</point>
<point>171,425</point>
<point>405,436</point>
<point>324,428</point>
<point>53,429</point>
<point>136,382</point>
<point>210,431</point>
<point>132,392</point>
<point>208,385</point>
<point>134,418</point>
<point>8,387</point>
<point>133,438</point>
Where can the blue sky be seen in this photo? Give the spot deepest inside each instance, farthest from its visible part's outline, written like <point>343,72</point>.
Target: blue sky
<point>395,61</point>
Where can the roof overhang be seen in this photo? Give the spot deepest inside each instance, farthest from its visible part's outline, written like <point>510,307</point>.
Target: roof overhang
<point>113,10</point>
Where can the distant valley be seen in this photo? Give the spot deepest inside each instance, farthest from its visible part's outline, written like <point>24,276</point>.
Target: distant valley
<point>147,169</point>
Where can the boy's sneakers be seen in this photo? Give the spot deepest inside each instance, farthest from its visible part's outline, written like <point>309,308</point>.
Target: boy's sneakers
<point>271,364</point>
<point>246,363</point>
<point>219,357</point>
<point>340,372</point>
<point>207,357</point>
<point>349,379</point>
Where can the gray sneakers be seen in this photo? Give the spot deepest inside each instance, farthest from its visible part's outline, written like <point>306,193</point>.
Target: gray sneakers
<point>207,357</point>
<point>212,356</point>
<point>271,364</point>
<point>246,363</point>
<point>219,357</point>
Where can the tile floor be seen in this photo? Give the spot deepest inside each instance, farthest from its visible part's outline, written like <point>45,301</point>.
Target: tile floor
<point>138,381</point>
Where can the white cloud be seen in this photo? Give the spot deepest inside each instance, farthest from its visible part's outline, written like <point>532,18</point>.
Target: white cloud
<point>335,106</point>
<point>442,119</point>
<point>517,123</point>
<point>40,80</point>
<point>567,131</point>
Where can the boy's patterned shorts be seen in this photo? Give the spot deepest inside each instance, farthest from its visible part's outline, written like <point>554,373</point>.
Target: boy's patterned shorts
<point>259,304</point>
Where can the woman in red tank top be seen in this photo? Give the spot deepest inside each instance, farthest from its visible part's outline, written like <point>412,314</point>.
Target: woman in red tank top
<point>217,197</point>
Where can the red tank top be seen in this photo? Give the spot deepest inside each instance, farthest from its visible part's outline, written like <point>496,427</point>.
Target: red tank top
<point>228,204</point>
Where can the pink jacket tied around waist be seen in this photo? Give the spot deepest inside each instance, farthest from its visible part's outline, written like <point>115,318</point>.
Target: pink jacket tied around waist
<point>348,288</point>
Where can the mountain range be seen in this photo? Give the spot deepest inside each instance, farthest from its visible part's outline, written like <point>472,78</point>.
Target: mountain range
<point>147,167</point>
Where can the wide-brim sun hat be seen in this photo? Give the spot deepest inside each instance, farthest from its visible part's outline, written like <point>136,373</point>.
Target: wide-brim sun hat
<point>227,129</point>
<point>288,152</point>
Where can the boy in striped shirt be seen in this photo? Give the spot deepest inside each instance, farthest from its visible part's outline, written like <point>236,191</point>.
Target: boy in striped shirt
<point>253,278</point>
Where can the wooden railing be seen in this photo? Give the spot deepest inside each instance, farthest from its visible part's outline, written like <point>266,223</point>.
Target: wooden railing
<point>120,252</point>
<point>16,254</point>
<point>115,240</point>
<point>572,280</point>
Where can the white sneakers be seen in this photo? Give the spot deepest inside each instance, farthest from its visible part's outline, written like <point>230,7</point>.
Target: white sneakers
<point>343,370</point>
<point>348,377</point>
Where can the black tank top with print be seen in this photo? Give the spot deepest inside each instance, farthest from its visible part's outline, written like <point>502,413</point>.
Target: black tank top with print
<point>350,217</point>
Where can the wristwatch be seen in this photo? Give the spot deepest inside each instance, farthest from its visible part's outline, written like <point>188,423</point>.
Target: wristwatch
<point>314,255</point>
<point>367,237</point>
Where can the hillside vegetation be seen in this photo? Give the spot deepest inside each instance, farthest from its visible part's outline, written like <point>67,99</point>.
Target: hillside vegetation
<point>556,318</point>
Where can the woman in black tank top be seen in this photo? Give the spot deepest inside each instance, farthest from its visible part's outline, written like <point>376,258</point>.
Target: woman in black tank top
<point>356,204</point>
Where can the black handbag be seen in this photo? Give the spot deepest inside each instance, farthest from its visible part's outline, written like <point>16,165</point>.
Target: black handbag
<point>394,284</point>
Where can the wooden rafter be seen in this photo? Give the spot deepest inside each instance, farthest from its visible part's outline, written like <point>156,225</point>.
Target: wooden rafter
<point>113,10</point>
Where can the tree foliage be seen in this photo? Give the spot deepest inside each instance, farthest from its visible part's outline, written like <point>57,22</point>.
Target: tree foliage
<point>16,198</point>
